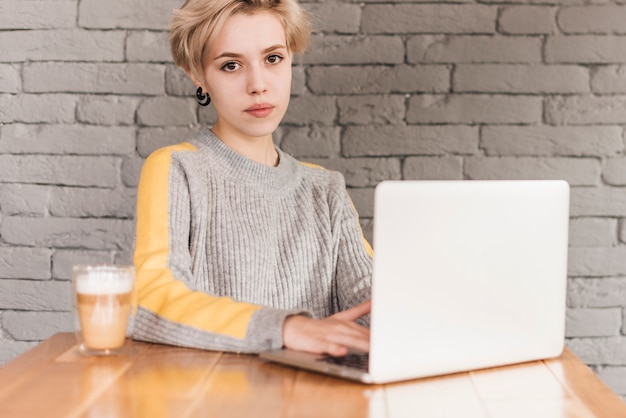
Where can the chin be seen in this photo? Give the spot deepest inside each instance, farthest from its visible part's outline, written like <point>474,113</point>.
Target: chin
<point>262,130</point>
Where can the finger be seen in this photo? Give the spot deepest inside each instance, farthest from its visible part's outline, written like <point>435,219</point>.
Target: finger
<point>355,337</point>
<point>348,331</point>
<point>356,343</point>
<point>336,350</point>
<point>355,312</point>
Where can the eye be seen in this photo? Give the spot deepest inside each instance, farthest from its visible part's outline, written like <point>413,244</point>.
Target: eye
<point>274,59</point>
<point>230,66</point>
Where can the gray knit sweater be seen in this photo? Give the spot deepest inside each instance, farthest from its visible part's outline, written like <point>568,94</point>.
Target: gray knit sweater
<point>227,248</point>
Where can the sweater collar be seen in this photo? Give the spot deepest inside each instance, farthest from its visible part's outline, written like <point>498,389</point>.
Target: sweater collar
<point>241,169</point>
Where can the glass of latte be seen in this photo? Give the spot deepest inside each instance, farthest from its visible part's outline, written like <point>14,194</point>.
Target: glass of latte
<point>104,307</point>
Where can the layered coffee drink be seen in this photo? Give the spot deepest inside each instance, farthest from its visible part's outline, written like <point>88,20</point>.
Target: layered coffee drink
<point>103,307</point>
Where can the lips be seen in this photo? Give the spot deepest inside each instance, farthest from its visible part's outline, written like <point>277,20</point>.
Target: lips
<point>260,110</point>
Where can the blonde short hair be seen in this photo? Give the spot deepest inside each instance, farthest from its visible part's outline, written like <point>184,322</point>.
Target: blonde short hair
<point>196,24</point>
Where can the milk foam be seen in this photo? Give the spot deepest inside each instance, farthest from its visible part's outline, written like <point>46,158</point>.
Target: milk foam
<point>101,283</point>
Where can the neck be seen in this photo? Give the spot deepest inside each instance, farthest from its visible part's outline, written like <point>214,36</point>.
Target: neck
<point>259,149</point>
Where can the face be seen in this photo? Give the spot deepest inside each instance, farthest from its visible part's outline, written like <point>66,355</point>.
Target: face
<point>247,73</point>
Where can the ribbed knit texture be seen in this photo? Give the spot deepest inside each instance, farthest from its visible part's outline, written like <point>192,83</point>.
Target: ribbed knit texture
<point>285,237</point>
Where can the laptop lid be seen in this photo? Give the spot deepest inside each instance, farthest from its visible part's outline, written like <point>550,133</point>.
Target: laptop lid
<point>467,274</point>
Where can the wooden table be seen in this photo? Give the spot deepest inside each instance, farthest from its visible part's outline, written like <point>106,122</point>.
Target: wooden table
<point>53,380</point>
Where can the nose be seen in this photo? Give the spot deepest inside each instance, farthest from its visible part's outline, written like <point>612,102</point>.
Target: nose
<point>257,82</point>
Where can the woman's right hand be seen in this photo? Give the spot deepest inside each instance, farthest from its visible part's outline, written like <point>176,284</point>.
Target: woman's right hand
<point>334,335</point>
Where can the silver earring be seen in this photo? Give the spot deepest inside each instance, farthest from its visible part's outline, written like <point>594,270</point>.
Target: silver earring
<point>203,98</point>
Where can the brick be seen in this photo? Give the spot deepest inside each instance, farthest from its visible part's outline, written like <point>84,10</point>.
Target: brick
<point>596,293</point>
<point>298,80</point>
<point>622,233</point>
<point>177,83</point>
<point>363,172</point>
<point>94,78</point>
<point>19,14</point>
<point>407,1</point>
<point>138,14</point>
<point>67,139</point>
<point>543,140</point>
<point>585,110</point>
<point>63,170</point>
<point>597,201</point>
<point>586,49</point>
<point>95,234</point>
<point>363,200</point>
<point>64,260</point>
<point>615,378</point>
<point>131,168</point>
<point>593,322</point>
<point>474,108</point>
<point>576,171</point>
<point>148,46</point>
<point>601,350</point>
<point>592,19</point>
<point>34,295</point>
<point>379,79</point>
<point>10,78</point>
<point>25,263</point>
<point>334,17</point>
<point>473,49</point>
<point>78,202</point>
<point>123,257</point>
<point>10,349</point>
<point>592,232</point>
<point>305,110</point>
<point>24,199</point>
<point>527,20</point>
<point>429,168</point>
<point>107,110</point>
<point>167,111</point>
<point>37,108</point>
<point>385,140</point>
<point>597,261</point>
<point>336,49</point>
<point>609,79</point>
<point>550,2</point>
<point>375,110</point>
<point>63,44</point>
<point>281,131</point>
<point>427,18</point>
<point>614,171</point>
<point>150,139</point>
<point>206,115</point>
<point>314,141</point>
<point>36,326</point>
<point>521,79</point>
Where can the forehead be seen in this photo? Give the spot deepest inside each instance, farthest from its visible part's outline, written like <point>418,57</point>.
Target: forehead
<point>245,33</point>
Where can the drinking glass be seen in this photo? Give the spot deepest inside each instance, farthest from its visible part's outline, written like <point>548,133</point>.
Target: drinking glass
<point>104,306</point>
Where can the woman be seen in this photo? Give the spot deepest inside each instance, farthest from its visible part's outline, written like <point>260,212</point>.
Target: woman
<point>240,247</point>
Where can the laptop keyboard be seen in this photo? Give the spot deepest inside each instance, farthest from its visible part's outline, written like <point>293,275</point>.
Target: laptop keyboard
<point>356,360</point>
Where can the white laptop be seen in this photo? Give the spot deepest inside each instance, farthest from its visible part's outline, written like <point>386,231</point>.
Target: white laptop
<point>467,275</point>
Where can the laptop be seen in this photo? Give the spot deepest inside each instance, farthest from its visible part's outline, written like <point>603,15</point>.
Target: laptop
<point>467,275</point>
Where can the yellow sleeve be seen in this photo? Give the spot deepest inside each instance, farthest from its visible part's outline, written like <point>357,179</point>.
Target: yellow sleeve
<point>158,291</point>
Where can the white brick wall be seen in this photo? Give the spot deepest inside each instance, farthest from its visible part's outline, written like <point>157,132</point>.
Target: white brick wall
<point>426,89</point>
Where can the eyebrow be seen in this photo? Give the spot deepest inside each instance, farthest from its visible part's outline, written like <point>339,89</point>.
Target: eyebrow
<point>235,55</point>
